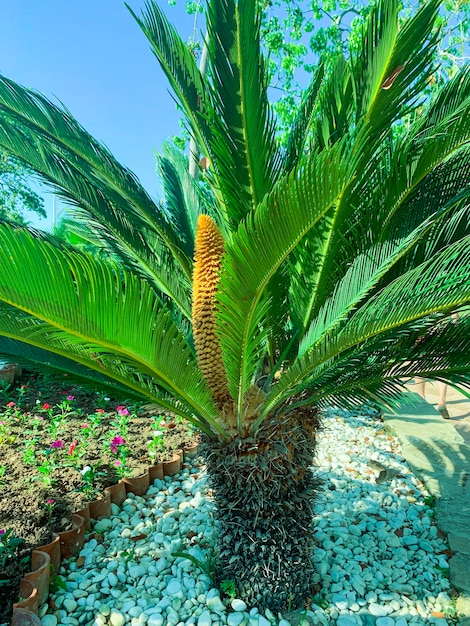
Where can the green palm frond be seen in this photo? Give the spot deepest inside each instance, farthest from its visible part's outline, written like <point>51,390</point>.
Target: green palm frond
<point>376,369</point>
<point>243,149</point>
<point>381,82</point>
<point>443,199</point>
<point>436,224</point>
<point>392,67</point>
<point>298,137</point>
<point>34,358</point>
<point>86,175</point>
<point>259,248</point>
<point>333,115</point>
<point>185,198</point>
<point>96,313</point>
<point>67,139</point>
<point>180,68</point>
<point>422,178</point>
<point>439,285</point>
<point>359,282</point>
<point>447,103</point>
<point>415,161</point>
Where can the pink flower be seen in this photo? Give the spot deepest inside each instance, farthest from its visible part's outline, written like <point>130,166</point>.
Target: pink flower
<point>70,398</point>
<point>162,424</point>
<point>58,443</point>
<point>50,501</point>
<point>115,442</point>
<point>11,404</point>
<point>122,410</point>
<point>118,441</point>
<point>84,425</point>
<point>46,406</point>
<point>117,463</point>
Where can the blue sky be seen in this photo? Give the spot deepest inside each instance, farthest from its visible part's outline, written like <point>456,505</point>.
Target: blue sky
<point>92,56</point>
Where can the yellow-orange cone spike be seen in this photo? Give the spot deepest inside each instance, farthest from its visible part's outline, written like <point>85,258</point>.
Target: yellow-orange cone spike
<point>207,260</point>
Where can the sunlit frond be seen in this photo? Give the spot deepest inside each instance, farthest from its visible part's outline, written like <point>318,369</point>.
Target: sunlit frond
<point>243,151</point>
<point>98,313</point>
<point>439,285</point>
<point>263,242</point>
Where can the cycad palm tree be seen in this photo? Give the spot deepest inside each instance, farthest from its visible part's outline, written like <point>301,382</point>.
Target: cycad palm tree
<point>324,271</point>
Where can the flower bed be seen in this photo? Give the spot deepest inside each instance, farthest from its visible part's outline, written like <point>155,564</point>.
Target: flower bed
<point>60,446</point>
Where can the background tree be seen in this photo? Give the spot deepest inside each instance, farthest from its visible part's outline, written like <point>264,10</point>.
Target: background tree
<point>16,196</point>
<point>297,33</point>
<point>325,270</point>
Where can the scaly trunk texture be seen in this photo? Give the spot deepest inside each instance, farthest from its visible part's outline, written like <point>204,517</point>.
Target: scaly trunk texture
<point>209,248</point>
<point>264,491</point>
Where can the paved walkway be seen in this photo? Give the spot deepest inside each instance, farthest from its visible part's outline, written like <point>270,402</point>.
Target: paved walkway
<point>438,451</point>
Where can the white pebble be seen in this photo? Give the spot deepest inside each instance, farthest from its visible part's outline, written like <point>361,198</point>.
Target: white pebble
<point>116,618</point>
<point>69,605</point>
<point>204,619</point>
<point>234,619</point>
<point>238,605</point>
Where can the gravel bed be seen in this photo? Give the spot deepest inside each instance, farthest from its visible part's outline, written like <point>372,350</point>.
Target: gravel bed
<point>379,558</point>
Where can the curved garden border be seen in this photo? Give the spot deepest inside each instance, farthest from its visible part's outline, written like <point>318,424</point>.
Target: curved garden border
<point>34,586</point>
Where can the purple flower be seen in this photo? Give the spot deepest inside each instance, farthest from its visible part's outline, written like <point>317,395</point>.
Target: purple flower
<point>70,398</point>
<point>58,443</point>
<point>2,531</point>
<point>115,442</point>
<point>118,441</point>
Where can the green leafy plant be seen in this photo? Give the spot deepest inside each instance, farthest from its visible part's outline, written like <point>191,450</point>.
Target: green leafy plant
<point>5,436</point>
<point>430,501</point>
<point>56,583</point>
<point>9,545</point>
<point>89,475</point>
<point>127,555</point>
<point>276,281</point>
<point>229,588</point>
<point>207,566</point>
<point>156,443</point>
<point>47,463</point>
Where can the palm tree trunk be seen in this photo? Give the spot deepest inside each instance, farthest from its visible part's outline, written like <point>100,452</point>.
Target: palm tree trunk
<point>264,491</point>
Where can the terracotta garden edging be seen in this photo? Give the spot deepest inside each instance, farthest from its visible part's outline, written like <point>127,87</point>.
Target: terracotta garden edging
<point>8,373</point>
<point>34,586</point>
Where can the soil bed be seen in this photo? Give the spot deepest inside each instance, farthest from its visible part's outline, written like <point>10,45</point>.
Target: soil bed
<point>60,446</point>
